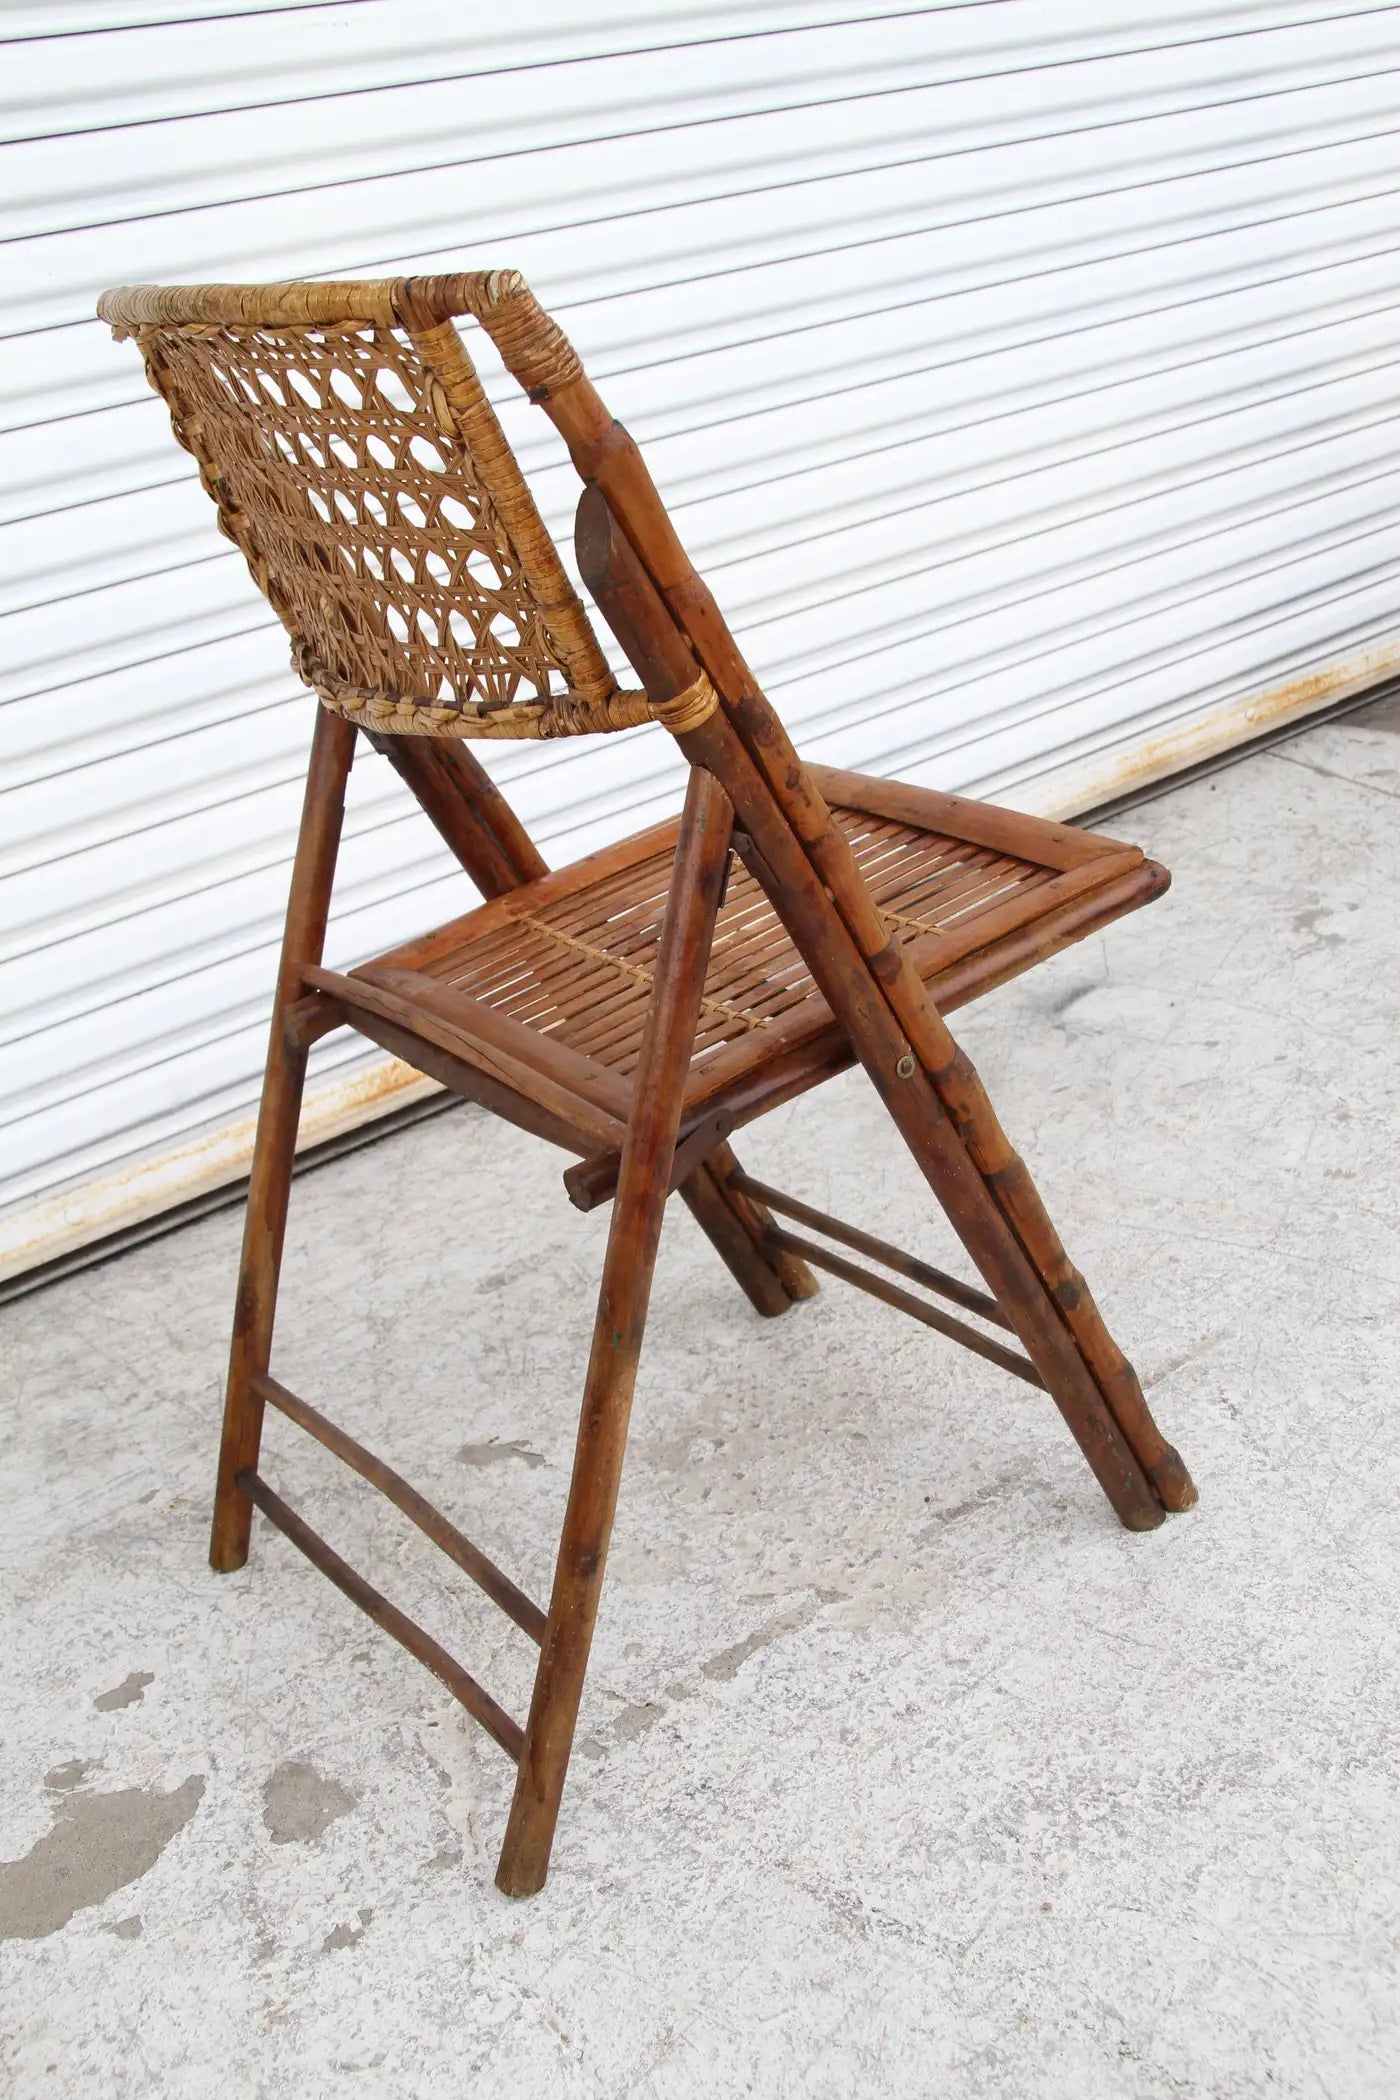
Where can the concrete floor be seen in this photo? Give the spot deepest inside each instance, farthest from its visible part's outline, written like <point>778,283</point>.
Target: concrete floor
<point>903,1770</point>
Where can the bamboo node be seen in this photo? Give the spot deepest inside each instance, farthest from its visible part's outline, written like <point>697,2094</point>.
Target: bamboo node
<point>688,710</point>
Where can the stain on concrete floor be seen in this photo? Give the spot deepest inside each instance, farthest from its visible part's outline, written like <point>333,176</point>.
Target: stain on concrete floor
<point>130,1692</point>
<point>300,1803</point>
<point>98,1843</point>
<point>494,1453</point>
<point>347,1935</point>
<point>63,1778</point>
<point>727,1663</point>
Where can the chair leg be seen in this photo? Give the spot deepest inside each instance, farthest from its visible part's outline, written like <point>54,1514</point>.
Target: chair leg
<point>804,862</point>
<point>770,1277</point>
<point>793,1273</point>
<point>855,987</point>
<point>633,1237</point>
<point>1009,1180</point>
<point>962,1097</point>
<point>264,1227</point>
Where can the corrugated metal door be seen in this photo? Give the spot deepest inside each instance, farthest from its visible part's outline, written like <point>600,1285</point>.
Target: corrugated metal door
<point>1021,376</point>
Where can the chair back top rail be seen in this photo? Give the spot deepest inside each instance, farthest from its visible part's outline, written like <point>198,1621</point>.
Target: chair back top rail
<point>383,302</point>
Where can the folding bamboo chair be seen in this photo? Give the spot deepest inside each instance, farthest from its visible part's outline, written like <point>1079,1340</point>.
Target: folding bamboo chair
<point>637,1007</point>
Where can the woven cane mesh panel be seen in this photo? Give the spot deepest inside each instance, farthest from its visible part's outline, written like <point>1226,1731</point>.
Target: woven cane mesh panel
<point>337,466</point>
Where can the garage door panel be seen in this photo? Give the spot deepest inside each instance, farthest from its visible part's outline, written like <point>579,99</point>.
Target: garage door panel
<point>1023,383</point>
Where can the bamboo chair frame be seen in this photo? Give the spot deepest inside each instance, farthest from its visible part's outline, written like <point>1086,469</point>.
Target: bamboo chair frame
<point>311,409</point>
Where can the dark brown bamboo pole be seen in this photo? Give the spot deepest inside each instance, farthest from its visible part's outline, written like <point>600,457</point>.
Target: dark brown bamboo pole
<point>372,1602</point>
<point>269,1183</point>
<point>927,1130</point>
<point>604,453</point>
<point>466,807</point>
<point>417,1508</point>
<point>935,1280</point>
<point>757,1220</point>
<point>662,659</point>
<point>634,1234</point>
<point>917,1308</point>
<point>758,1280</point>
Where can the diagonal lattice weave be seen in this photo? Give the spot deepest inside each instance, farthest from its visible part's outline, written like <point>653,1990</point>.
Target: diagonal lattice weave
<point>353,472</point>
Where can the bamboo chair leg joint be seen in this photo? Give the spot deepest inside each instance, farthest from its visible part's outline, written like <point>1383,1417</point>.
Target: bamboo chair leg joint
<point>593,1181</point>
<point>306,1020</point>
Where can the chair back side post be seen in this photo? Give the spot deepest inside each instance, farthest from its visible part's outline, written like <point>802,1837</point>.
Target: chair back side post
<point>606,455</point>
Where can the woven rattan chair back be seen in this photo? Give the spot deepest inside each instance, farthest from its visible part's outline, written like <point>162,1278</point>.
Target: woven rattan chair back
<point>357,463</point>
<point>359,466</point>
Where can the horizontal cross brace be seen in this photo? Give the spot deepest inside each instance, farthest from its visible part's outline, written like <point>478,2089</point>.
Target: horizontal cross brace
<point>906,1302</point>
<point>594,1181</point>
<point>431,1522</point>
<point>462,1685</point>
<point>306,1020</point>
<point>935,1280</point>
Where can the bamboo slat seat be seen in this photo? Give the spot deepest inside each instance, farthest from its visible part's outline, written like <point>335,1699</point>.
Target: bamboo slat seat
<point>572,955</point>
<point>637,1007</point>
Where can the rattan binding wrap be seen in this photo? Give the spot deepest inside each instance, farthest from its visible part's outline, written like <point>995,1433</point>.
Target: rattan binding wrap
<point>355,460</point>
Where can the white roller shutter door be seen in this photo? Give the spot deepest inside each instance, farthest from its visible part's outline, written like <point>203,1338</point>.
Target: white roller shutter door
<point>1021,377</point>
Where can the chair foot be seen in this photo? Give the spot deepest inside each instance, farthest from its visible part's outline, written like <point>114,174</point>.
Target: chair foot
<point>1173,1483</point>
<point>232,1525</point>
<point>755,1221</point>
<point>521,1871</point>
<point>721,1216</point>
<point>225,1561</point>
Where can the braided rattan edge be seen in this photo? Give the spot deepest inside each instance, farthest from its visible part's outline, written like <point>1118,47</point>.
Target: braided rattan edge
<point>366,302</point>
<point>533,347</point>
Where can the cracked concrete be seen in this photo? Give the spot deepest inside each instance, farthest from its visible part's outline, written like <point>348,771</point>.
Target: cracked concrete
<point>903,1771</point>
